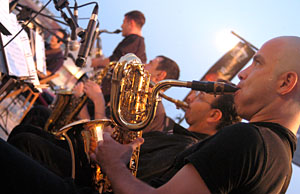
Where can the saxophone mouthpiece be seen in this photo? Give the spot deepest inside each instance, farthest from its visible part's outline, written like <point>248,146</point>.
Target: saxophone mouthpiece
<point>214,87</point>
<point>117,31</point>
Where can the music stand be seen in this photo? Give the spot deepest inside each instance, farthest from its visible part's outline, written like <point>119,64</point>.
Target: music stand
<point>7,83</point>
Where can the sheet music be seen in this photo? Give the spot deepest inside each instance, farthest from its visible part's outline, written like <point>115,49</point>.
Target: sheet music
<point>19,55</point>
<point>40,53</point>
<point>16,61</point>
<point>4,13</point>
<point>29,58</point>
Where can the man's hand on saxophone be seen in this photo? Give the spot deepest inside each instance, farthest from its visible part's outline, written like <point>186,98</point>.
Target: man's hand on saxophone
<point>94,92</point>
<point>110,153</point>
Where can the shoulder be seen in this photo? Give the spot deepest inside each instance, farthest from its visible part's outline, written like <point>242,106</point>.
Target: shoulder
<point>133,38</point>
<point>242,131</point>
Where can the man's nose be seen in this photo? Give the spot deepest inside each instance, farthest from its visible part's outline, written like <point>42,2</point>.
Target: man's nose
<point>242,75</point>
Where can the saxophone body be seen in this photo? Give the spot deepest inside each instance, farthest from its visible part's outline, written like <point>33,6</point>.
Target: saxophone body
<point>129,99</point>
<point>67,106</point>
<point>129,94</point>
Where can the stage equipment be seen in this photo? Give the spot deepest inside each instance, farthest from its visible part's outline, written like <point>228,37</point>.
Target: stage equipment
<point>87,40</point>
<point>74,44</point>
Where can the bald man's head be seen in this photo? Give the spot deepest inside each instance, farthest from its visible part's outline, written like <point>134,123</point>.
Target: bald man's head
<point>285,53</point>
<point>271,81</point>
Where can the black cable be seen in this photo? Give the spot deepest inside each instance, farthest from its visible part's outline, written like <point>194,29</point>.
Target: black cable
<point>27,23</point>
<point>51,17</point>
<point>47,16</point>
<point>94,2</point>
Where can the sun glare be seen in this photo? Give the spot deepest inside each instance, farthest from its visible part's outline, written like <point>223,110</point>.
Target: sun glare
<point>225,40</point>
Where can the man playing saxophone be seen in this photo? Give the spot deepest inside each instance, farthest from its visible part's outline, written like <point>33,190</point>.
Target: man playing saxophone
<point>160,68</point>
<point>248,158</point>
<point>133,41</point>
<point>206,115</point>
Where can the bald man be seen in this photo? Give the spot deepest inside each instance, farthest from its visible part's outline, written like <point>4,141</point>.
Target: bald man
<point>252,157</point>
<point>246,158</point>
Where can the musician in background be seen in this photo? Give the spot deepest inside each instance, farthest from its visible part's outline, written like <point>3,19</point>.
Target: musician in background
<point>54,61</point>
<point>133,41</point>
<point>160,68</point>
<point>54,53</point>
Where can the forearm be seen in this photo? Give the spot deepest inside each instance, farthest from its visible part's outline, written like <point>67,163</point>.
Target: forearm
<point>99,108</point>
<point>123,182</point>
<point>84,114</point>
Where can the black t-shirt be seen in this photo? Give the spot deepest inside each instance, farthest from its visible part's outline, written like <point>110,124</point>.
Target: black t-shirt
<point>54,61</point>
<point>130,44</point>
<point>159,150</point>
<point>244,158</point>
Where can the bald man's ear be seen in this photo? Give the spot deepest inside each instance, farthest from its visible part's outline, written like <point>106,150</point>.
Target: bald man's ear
<point>215,115</point>
<point>287,82</point>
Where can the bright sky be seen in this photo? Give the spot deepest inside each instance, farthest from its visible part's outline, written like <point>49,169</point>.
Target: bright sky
<point>191,31</point>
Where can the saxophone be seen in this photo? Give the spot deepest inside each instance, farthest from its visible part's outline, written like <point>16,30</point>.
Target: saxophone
<point>67,106</point>
<point>133,107</point>
<point>130,88</point>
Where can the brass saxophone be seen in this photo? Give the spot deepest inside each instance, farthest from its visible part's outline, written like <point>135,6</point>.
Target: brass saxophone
<point>67,106</point>
<point>129,98</point>
<point>133,107</point>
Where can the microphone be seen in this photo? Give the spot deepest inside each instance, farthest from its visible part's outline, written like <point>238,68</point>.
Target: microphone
<point>76,12</point>
<point>95,35</point>
<point>67,48</point>
<point>213,87</point>
<point>99,51</point>
<point>87,40</point>
<point>12,5</point>
<point>74,44</point>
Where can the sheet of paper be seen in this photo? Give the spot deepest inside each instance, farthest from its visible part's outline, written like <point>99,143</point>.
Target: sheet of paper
<point>29,58</point>
<point>16,61</point>
<point>19,54</point>
<point>4,13</point>
<point>40,53</point>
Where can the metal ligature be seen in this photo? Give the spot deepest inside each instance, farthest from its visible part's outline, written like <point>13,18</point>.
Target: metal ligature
<point>133,107</point>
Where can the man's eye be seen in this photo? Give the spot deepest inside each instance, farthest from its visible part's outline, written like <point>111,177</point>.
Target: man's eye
<point>256,62</point>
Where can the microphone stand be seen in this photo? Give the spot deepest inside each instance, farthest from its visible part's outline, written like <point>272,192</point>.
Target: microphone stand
<point>72,22</point>
<point>25,14</point>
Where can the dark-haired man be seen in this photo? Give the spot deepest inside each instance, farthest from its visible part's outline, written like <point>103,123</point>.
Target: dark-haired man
<point>54,54</point>
<point>205,115</point>
<point>161,68</point>
<point>133,41</point>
